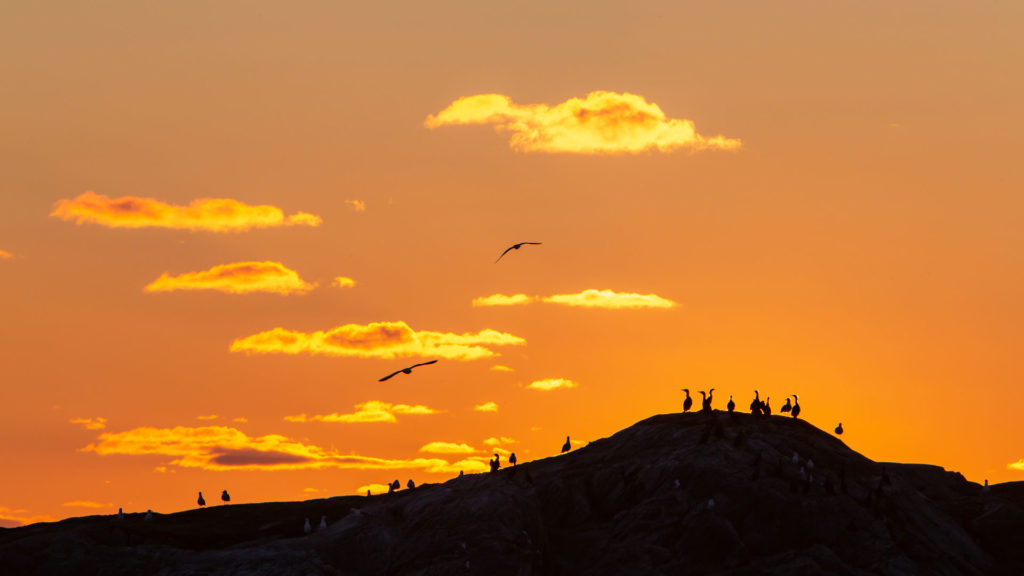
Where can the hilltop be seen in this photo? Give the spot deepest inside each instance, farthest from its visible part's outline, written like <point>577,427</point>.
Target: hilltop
<point>673,494</point>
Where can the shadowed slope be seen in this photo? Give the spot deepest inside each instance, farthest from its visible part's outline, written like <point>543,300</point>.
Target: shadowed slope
<point>638,502</point>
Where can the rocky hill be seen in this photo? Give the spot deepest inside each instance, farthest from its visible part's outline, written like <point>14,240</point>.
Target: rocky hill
<point>674,494</point>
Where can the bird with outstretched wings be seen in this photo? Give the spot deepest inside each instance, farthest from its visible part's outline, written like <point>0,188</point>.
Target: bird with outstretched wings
<point>514,247</point>
<point>405,370</point>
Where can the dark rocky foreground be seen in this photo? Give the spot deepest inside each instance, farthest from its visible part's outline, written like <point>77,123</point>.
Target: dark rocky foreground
<point>636,503</point>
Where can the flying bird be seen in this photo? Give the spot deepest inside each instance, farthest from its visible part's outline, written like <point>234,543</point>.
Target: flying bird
<point>513,247</point>
<point>405,370</point>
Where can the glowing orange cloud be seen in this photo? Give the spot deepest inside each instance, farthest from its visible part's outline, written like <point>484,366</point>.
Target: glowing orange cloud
<point>236,278</point>
<point>549,384</point>
<point>386,340</point>
<point>448,448</point>
<point>1018,465</point>
<point>207,417</point>
<point>357,205</point>
<point>373,489</point>
<point>601,123</point>
<point>343,282</point>
<point>90,423</point>
<point>502,300</point>
<point>500,368</point>
<point>219,448</point>
<point>86,504</point>
<point>211,214</point>
<point>4,255</point>
<point>591,298</point>
<point>486,407</point>
<point>610,299</point>
<point>12,518</point>
<point>492,442</point>
<point>372,411</point>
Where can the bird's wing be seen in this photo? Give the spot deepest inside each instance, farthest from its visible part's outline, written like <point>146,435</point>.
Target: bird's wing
<point>422,364</point>
<point>389,376</point>
<point>521,243</point>
<point>503,253</point>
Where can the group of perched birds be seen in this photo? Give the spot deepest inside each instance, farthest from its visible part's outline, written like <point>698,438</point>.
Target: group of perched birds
<point>758,407</point>
<point>224,497</point>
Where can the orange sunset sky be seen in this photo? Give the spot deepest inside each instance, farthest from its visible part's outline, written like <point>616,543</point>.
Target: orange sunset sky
<point>222,222</point>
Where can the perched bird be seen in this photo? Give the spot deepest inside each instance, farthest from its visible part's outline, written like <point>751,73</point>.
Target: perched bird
<point>410,484</point>
<point>367,492</point>
<point>513,247</point>
<point>796,406</point>
<point>405,370</point>
<point>225,497</point>
<point>323,523</point>
<point>705,404</point>
<point>567,446</point>
<point>839,429</point>
<point>396,485</point>
<point>755,404</point>
<point>786,407</point>
<point>461,473</point>
<point>512,459</point>
<point>688,402</point>
<point>731,405</point>
<point>767,408</point>
<point>307,528</point>
<point>149,515</point>
<point>201,501</point>
<point>120,513</point>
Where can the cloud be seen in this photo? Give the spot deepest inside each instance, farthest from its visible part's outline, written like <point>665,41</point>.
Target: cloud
<point>90,423</point>
<point>448,448</point>
<point>549,384</point>
<point>371,411</point>
<point>219,448</point>
<point>500,368</point>
<point>590,298</point>
<point>343,282</point>
<point>610,299</point>
<point>4,255</point>
<point>210,214</point>
<point>207,417</point>
<point>486,407</point>
<point>357,205</point>
<point>1018,465</point>
<point>601,123</point>
<point>12,518</point>
<point>87,504</point>
<point>492,442</point>
<point>502,300</point>
<point>236,278</point>
<point>387,340</point>
<point>241,419</point>
<point>373,489</point>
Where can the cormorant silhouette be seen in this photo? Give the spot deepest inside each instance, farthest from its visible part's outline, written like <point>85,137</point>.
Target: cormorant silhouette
<point>410,484</point>
<point>405,370</point>
<point>731,405</point>
<point>513,247</point>
<point>512,459</point>
<point>767,408</point>
<point>306,527</point>
<point>225,497</point>
<point>567,446</point>
<point>755,404</point>
<point>120,513</point>
<point>705,404</point>
<point>201,501</point>
<point>796,406</point>
<point>688,402</point>
<point>839,429</point>
<point>367,492</point>
<point>149,514</point>
<point>787,406</point>
<point>496,463</point>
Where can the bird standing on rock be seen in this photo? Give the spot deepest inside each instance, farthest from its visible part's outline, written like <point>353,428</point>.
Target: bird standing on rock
<point>705,403</point>
<point>201,501</point>
<point>567,446</point>
<point>514,247</point>
<point>688,402</point>
<point>755,404</point>
<point>225,497</point>
<point>767,408</point>
<point>731,405</point>
<point>796,406</point>
<point>839,429</point>
<point>307,528</point>
<point>512,459</point>
<point>787,406</point>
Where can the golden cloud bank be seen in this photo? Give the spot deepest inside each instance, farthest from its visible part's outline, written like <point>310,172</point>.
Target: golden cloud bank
<point>210,214</point>
<point>387,340</point>
<point>236,278</point>
<point>600,123</point>
<point>591,298</point>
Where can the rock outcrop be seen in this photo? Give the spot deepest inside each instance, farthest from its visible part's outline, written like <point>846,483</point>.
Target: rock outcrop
<point>674,494</point>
